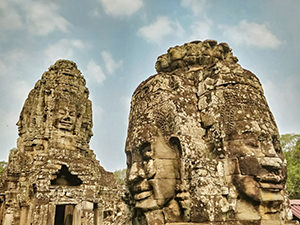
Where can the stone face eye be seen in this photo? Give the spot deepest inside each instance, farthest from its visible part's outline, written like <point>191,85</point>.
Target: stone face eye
<point>146,151</point>
<point>72,113</point>
<point>61,111</point>
<point>252,143</point>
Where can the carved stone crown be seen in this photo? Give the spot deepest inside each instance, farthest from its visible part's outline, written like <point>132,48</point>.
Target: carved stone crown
<point>196,53</point>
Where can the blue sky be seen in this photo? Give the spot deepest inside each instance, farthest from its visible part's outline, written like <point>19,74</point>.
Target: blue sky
<point>115,44</point>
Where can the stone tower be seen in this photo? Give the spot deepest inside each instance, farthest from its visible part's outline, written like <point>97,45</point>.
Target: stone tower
<point>202,144</point>
<point>53,176</point>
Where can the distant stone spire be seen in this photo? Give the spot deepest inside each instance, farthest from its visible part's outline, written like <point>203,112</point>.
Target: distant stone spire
<point>57,110</point>
<point>53,174</point>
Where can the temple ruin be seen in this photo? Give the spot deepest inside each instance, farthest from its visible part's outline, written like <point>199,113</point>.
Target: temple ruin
<point>202,144</point>
<point>202,148</point>
<point>53,177</point>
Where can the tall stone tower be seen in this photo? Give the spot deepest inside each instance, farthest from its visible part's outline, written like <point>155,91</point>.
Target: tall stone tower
<point>53,176</point>
<point>202,144</point>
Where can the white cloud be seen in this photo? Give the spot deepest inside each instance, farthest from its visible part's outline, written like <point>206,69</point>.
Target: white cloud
<point>95,71</point>
<point>44,18</point>
<point>156,31</point>
<point>63,49</point>
<point>110,64</point>
<point>94,12</point>
<point>10,61</point>
<point>201,30</point>
<point>197,6</point>
<point>252,34</point>
<point>121,7</point>
<point>37,17</point>
<point>159,29</point>
<point>77,43</point>
<point>9,18</point>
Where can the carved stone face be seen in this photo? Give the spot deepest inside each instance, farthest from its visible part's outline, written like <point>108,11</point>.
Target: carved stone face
<point>65,117</point>
<point>152,174</point>
<point>262,172</point>
<point>252,140</point>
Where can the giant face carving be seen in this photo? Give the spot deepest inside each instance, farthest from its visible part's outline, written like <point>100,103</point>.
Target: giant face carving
<point>231,164</point>
<point>241,131</point>
<point>251,137</point>
<point>65,116</point>
<point>260,176</point>
<point>153,148</point>
<point>153,171</point>
<point>261,168</point>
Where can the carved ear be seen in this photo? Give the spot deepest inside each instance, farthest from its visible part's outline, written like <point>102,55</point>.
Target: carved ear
<point>175,144</point>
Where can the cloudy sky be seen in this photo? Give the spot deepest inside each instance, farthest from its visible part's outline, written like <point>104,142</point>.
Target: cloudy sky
<point>115,44</point>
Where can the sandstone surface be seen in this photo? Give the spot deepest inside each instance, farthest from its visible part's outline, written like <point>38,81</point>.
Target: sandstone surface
<point>202,144</point>
<point>202,148</point>
<point>53,176</point>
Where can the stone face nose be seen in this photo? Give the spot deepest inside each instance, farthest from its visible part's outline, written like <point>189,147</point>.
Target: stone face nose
<point>135,173</point>
<point>272,162</point>
<point>67,117</point>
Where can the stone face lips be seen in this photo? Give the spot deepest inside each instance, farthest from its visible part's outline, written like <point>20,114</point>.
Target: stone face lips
<point>204,120</point>
<point>53,174</point>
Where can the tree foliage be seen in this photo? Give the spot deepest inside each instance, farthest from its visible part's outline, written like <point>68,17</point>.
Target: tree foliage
<point>291,148</point>
<point>120,176</point>
<point>2,166</point>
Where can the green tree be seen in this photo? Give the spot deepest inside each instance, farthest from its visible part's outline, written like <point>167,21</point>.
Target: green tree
<point>2,166</point>
<point>291,148</point>
<point>120,176</point>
